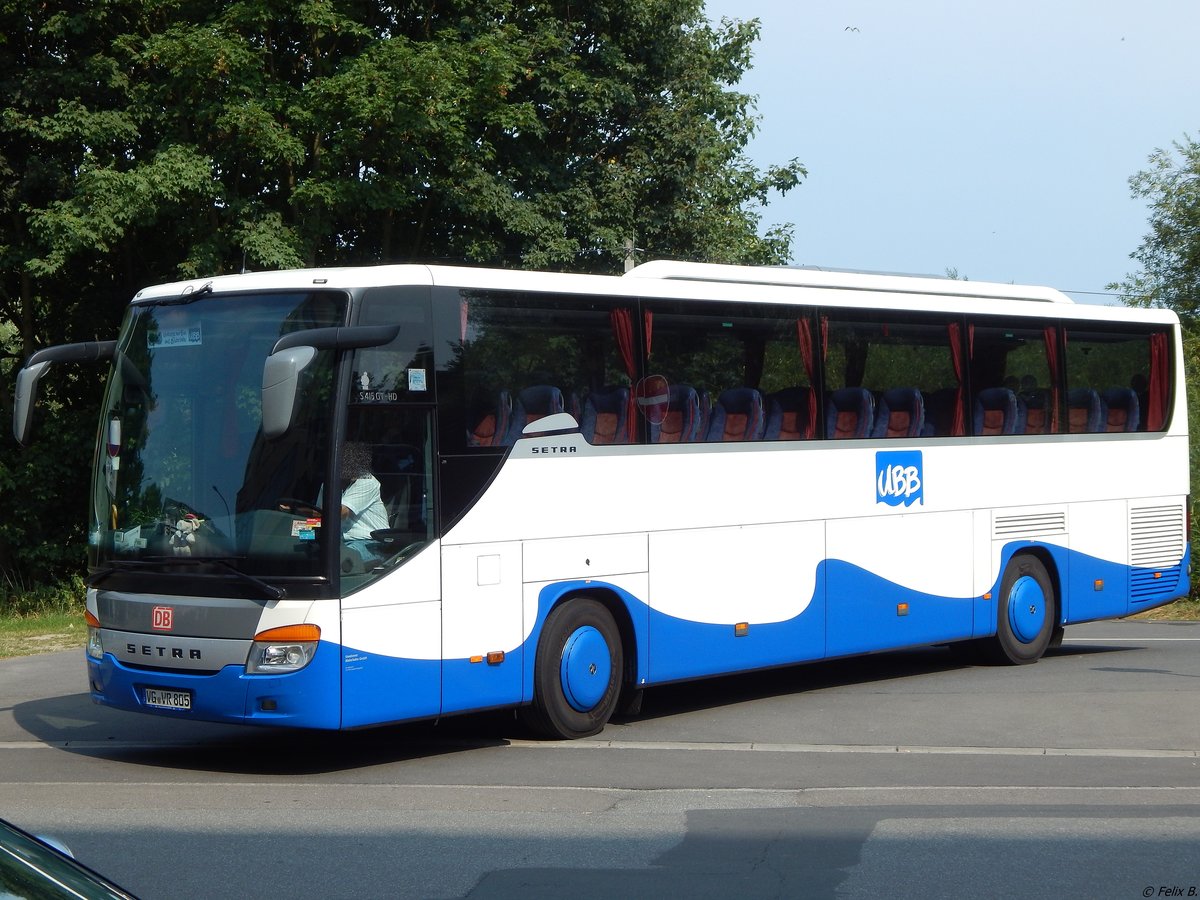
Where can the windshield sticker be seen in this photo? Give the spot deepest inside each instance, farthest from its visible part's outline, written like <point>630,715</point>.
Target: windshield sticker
<point>129,540</point>
<point>899,477</point>
<point>305,529</point>
<point>188,336</point>
<point>416,380</point>
<point>373,389</point>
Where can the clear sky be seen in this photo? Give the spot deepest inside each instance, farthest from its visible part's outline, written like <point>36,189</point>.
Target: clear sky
<point>995,137</point>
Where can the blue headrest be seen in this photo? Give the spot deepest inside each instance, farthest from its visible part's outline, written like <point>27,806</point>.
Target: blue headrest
<point>682,399</point>
<point>997,399</point>
<point>905,400</point>
<point>1088,400</point>
<point>739,402</point>
<point>610,400</point>
<point>789,400</point>
<point>1125,399</point>
<point>541,399</point>
<point>854,400</point>
<point>533,403</point>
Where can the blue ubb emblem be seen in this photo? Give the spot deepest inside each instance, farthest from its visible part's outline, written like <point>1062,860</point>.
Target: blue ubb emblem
<point>899,477</point>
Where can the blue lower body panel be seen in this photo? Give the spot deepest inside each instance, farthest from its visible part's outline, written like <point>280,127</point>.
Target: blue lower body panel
<point>851,611</point>
<point>379,689</point>
<point>309,698</point>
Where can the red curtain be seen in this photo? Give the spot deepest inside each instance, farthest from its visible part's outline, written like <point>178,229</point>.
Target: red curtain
<point>622,326</point>
<point>1160,383</point>
<point>1049,336</point>
<point>958,426</point>
<point>804,329</point>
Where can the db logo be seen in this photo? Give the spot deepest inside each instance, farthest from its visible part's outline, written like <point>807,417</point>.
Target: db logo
<point>164,618</point>
<point>899,478</point>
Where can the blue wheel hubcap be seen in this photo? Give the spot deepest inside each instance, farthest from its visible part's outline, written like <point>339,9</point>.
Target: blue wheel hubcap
<point>585,669</point>
<point>1026,609</point>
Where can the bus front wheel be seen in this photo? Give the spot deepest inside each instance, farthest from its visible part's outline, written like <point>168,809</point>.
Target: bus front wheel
<point>1027,613</point>
<point>577,674</point>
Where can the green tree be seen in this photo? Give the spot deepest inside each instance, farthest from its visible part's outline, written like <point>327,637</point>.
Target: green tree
<point>1169,254</point>
<point>1170,262</point>
<point>150,140</point>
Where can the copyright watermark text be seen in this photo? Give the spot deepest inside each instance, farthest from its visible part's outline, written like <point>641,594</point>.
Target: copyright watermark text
<point>1171,890</point>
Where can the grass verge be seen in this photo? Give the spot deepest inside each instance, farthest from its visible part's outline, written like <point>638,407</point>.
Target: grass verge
<point>1185,610</point>
<point>41,633</point>
<point>42,618</point>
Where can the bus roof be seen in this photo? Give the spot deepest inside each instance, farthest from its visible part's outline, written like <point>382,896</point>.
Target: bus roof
<point>845,280</point>
<point>699,281</point>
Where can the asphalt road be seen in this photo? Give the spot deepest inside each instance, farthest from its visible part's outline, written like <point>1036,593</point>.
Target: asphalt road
<point>899,775</point>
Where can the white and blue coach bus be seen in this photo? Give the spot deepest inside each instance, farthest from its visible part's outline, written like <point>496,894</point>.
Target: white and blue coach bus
<point>590,485</point>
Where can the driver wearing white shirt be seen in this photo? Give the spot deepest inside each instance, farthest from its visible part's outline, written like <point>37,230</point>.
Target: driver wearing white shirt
<point>362,504</point>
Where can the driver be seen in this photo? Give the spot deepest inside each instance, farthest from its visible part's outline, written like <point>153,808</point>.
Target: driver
<point>362,504</point>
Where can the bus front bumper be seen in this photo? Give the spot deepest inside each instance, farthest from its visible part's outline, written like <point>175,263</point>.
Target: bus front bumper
<point>308,698</point>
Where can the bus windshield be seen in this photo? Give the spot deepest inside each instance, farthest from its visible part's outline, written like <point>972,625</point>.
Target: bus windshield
<point>183,474</point>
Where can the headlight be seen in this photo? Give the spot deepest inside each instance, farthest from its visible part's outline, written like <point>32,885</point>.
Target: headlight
<point>95,648</point>
<point>286,649</point>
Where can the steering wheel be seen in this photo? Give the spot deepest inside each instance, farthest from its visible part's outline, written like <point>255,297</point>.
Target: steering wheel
<point>298,508</point>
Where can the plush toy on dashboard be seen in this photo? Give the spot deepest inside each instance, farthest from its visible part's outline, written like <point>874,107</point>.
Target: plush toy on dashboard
<point>185,535</point>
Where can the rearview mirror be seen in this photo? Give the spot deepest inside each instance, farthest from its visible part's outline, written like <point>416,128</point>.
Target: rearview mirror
<point>292,353</point>
<point>281,379</point>
<point>25,394</point>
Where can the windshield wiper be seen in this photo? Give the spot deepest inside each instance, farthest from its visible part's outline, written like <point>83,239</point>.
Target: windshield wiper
<point>188,296</point>
<point>272,592</point>
<point>114,566</point>
<point>124,565</point>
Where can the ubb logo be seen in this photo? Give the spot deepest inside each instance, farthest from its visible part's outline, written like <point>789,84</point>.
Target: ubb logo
<point>899,478</point>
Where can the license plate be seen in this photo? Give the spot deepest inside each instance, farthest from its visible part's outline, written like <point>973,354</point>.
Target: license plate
<point>168,699</point>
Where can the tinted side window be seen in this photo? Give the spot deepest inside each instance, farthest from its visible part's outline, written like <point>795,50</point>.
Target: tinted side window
<point>888,375</point>
<point>1014,379</point>
<point>517,358</point>
<point>730,373</point>
<point>1117,379</point>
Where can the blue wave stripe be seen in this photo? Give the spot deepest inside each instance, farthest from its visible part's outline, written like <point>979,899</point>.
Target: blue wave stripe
<point>346,687</point>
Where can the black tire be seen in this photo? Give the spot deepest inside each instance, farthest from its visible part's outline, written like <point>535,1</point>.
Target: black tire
<point>577,673</point>
<point>1026,613</point>
<point>630,702</point>
<point>1056,638</point>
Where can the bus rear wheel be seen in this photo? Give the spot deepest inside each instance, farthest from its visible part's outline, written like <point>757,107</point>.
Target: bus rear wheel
<point>1027,613</point>
<point>577,673</point>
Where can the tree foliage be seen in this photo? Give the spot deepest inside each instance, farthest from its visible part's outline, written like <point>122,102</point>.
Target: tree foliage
<point>150,140</point>
<point>1170,252</point>
<point>1170,259</point>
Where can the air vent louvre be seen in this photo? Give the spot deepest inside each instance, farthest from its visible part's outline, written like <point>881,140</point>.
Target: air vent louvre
<point>1157,541</point>
<point>1029,525</point>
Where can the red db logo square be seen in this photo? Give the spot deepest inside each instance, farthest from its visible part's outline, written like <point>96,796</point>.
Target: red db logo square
<point>164,618</point>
